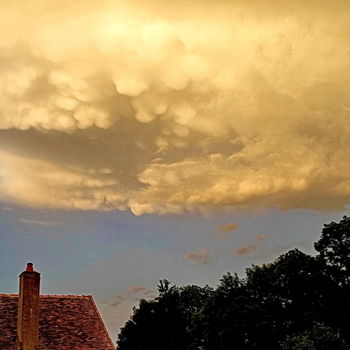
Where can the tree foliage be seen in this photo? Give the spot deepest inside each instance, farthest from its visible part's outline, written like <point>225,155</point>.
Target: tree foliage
<point>168,322</point>
<point>319,337</point>
<point>296,302</point>
<point>334,249</point>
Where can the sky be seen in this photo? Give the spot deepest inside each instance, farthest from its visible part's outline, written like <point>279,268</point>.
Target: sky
<point>142,140</point>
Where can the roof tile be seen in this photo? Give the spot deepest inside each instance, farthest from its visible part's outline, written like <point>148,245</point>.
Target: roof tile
<point>66,322</point>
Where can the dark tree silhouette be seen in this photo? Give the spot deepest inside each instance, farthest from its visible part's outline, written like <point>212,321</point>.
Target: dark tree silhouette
<point>296,302</point>
<point>168,322</point>
<point>233,319</point>
<point>319,337</point>
<point>334,249</point>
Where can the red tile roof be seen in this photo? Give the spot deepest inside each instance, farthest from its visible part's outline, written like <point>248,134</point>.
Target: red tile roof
<point>66,322</point>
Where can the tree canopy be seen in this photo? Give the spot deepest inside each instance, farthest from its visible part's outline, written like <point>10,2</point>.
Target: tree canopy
<point>298,301</point>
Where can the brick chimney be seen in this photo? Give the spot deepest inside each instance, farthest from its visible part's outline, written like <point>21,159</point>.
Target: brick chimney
<point>28,309</point>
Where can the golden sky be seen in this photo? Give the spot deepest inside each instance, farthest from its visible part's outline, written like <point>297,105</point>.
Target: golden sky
<point>162,107</point>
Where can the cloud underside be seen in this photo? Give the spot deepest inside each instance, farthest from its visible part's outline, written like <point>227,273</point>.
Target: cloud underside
<point>114,107</point>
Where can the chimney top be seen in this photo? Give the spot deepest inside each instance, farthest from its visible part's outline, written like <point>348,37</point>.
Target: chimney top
<point>30,267</point>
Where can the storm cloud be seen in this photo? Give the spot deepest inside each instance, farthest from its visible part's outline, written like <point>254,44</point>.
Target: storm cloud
<point>162,109</point>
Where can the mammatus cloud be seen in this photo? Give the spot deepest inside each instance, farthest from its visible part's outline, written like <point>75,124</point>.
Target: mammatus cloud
<point>245,249</point>
<point>199,257</point>
<point>106,105</point>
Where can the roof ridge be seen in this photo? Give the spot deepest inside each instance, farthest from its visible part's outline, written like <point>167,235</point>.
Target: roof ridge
<point>80,296</point>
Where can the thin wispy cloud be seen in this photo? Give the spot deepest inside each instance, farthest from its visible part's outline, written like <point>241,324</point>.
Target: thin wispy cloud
<point>249,248</point>
<point>139,291</point>
<point>245,249</point>
<point>136,290</point>
<point>39,222</point>
<point>228,227</point>
<point>225,230</point>
<point>261,237</point>
<point>7,209</point>
<point>117,301</point>
<point>149,292</point>
<point>199,257</point>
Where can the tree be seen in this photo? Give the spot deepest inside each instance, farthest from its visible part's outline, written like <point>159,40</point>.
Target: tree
<point>293,291</point>
<point>296,302</point>
<point>168,322</point>
<point>334,249</point>
<point>320,337</point>
<point>232,319</point>
<point>157,324</point>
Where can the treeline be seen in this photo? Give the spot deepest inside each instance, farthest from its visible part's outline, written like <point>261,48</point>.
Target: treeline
<point>297,302</point>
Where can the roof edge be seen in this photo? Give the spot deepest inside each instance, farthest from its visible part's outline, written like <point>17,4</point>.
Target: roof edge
<point>103,324</point>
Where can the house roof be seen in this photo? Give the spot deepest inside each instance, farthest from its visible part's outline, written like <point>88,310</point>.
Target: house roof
<point>66,322</point>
